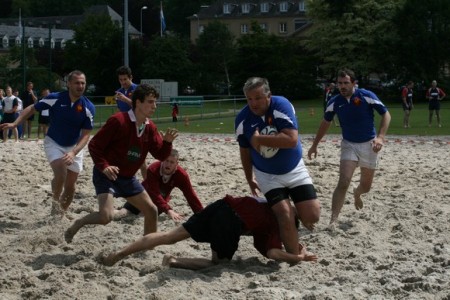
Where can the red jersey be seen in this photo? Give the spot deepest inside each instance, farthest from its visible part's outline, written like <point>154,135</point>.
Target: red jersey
<point>159,190</point>
<point>259,220</point>
<point>120,143</point>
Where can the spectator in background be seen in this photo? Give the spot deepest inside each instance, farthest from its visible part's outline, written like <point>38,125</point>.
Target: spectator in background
<point>2,94</point>
<point>44,118</point>
<point>330,91</point>
<point>29,98</point>
<point>175,112</point>
<point>10,105</point>
<point>407,102</point>
<point>434,95</point>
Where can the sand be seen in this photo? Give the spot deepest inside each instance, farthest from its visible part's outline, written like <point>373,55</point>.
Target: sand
<point>396,247</point>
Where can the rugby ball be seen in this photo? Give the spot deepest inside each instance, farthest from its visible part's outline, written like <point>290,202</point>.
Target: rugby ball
<point>268,152</point>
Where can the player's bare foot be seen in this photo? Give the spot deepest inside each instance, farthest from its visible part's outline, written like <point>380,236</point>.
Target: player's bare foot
<point>358,202</point>
<point>168,260</point>
<point>70,233</point>
<point>332,226</point>
<point>109,260</point>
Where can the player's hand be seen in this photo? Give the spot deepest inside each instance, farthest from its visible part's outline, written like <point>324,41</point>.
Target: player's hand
<point>377,144</point>
<point>68,158</point>
<point>312,151</point>
<point>111,172</point>
<point>175,216</point>
<point>8,126</point>
<point>254,187</point>
<point>170,135</point>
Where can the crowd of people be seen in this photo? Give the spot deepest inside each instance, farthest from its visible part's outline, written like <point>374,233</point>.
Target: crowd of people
<point>283,194</point>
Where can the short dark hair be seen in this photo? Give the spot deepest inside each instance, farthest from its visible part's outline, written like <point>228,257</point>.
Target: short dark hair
<point>124,70</point>
<point>141,92</point>
<point>347,72</point>
<point>75,73</point>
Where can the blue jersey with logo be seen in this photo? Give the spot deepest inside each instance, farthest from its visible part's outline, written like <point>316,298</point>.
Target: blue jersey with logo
<point>67,119</point>
<point>281,115</point>
<point>123,106</point>
<point>356,115</point>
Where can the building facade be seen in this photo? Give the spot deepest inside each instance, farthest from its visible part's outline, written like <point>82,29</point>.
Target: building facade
<point>279,17</point>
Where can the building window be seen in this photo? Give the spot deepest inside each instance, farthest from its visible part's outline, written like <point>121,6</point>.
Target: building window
<point>5,41</point>
<point>302,5</point>
<point>18,40</point>
<point>299,24</point>
<point>263,26</point>
<point>52,43</point>
<point>201,28</point>
<point>30,42</point>
<point>264,7</point>
<point>284,6</point>
<point>245,8</point>
<point>244,28</point>
<point>63,43</point>
<point>41,42</point>
<point>227,9</point>
<point>283,27</point>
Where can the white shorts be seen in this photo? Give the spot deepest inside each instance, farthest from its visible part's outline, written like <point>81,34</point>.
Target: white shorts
<point>54,151</point>
<point>360,152</point>
<point>298,176</point>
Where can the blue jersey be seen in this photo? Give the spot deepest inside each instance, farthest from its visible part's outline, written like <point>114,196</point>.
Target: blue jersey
<point>356,115</point>
<point>123,106</point>
<point>67,119</point>
<point>281,115</point>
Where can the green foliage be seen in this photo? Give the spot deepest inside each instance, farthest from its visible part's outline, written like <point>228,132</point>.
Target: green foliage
<point>349,33</point>
<point>97,51</point>
<point>284,62</point>
<point>424,48</point>
<point>216,50</point>
<point>168,58</point>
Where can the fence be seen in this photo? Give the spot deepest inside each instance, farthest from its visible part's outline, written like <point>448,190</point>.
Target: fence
<point>212,108</point>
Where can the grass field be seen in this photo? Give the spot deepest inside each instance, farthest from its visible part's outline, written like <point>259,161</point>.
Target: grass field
<point>218,117</point>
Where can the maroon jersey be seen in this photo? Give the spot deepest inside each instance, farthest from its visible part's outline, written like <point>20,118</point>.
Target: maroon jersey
<point>159,190</point>
<point>259,221</point>
<point>120,143</point>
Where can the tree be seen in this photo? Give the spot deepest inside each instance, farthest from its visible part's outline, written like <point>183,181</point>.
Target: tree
<point>96,49</point>
<point>423,49</point>
<point>350,34</point>
<point>216,50</point>
<point>168,58</point>
<point>284,62</point>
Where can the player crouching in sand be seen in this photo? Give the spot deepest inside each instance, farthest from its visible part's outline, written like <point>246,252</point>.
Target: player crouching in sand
<point>220,224</point>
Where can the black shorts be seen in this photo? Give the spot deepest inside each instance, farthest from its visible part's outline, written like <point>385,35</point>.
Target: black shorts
<point>31,118</point>
<point>43,120</point>
<point>9,118</point>
<point>434,105</point>
<point>298,194</point>
<point>218,225</point>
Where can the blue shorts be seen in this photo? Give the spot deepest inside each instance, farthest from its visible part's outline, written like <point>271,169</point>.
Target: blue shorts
<point>218,225</point>
<point>121,187</point>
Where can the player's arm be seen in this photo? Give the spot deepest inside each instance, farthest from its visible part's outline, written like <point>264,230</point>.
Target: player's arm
<point>404,94</point>
<point>286,138</point>
<point>247,165</point>
<point>323,128</point>
<point>384,125</point>
<point>27,112</point>
<point>189,193</point>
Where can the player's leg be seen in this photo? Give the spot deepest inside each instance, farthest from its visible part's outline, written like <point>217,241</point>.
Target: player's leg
<point>148,242</point>
<point>103,216</point>
<point>285,216</point>
<point>143,202</point>
<point>69,189</point>
<point>364,186</point>
<point>346,170</point>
